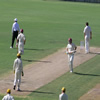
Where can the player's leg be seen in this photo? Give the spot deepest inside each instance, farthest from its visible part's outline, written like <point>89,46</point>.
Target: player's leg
<point>15,80</point>
<point>19,80</point>
<point>71,63</point>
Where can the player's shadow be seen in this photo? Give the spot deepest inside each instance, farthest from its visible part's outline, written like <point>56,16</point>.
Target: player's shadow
<point>85,74</point>
<point>98,53</point>
<point>37,92</point>
<point>34,49</point>
<point>28,60</point>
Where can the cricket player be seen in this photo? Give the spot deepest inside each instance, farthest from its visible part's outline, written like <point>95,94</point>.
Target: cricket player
<point>21,42</point>
<point>63,95</point>
<point>8,96</point>
<point>87,36</point>
<point>15,30</point>
<point>70,50</point>
<point>18,70</point>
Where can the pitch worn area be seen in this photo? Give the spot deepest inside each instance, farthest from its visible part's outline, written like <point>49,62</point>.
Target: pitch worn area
<point>45,71</point>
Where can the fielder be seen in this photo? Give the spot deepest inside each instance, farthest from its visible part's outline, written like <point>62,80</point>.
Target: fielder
<point>63,95</point>
<point>87,36</point>
<point>8,96</point>
<point>18,71</point>
<point>70,50</point>
<point>21,42</point>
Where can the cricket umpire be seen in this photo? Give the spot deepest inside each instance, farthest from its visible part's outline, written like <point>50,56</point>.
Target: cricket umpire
<point>18,71</point>
<point>15,30</point>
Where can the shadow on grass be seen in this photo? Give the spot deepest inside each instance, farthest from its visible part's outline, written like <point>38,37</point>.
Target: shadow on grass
<point>34,49</point>
<point>28,60</point>
<point>36,92</point>
<point>85,74</point>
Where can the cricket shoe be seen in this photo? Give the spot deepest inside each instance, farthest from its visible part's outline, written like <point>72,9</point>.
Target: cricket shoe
<point>18,89</point>
<point>71,71</point>
<point>11,47</point>
<point>14,87</point>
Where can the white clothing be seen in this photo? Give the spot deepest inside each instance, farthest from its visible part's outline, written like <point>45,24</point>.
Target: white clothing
<point>63,96</point>
<point>15,27</point>
<point>18,67</point>
<point>87,31</point>
<point>71,47</point>
<point>21,39</point>
<point>8,97</point>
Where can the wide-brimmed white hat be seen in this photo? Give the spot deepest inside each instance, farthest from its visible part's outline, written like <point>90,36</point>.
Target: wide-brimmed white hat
<point>15,19</point>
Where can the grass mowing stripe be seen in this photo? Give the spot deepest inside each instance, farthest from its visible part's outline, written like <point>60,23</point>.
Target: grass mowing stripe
<point>76,84</point>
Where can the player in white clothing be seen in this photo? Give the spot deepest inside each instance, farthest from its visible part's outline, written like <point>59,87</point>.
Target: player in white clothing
<point>63,95</point>
<point>70,50</point>
<point>8,96</point>
<point>21,42</point>
<point>87,37</point>
<point>18,70</point>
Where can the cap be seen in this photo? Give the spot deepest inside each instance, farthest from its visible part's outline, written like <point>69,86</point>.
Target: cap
<point>18,55</point>
<point>63,89</point>
<point>70,39</point>
<point>15,19</point>
<point>21,30</point>
<point>8,91</point>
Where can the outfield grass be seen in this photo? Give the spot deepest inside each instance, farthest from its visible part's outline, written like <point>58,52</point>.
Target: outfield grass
<point>47,26</point>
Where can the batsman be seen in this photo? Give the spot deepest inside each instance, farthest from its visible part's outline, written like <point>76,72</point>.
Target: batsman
<point>70,50</point>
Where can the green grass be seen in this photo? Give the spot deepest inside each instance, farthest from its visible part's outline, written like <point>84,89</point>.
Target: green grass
<point>47,26</point>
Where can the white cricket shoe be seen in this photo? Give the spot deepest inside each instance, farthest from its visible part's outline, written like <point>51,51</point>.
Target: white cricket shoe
<point>71,71</point>
<point>11,47</point>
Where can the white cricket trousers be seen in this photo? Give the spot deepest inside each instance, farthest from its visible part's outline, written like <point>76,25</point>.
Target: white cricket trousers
<point>87,50</point>
<point>17,79</point>
<point>70,61</point>
<point>21,48</point>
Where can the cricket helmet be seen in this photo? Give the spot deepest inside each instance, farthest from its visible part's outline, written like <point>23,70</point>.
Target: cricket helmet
<point>15,19</point>
<point>8,91</point>
<point>21,30</point>
<point>18,55</point>
<point>63,89</point>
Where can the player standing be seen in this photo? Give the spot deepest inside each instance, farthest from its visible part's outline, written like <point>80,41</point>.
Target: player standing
<point>15,30</point>
<point>70,50</point>
<point>87,37</point>
<point>21,42</point>
<point>63,95</point>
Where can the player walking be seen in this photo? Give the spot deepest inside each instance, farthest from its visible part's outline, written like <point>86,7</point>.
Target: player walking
<point>87,37</point>
<point>21,42</point>
<point>18,70</point>
<point>70,50</point>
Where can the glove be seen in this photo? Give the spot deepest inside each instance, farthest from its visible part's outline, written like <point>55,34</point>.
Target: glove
<point>14,71</point>
<point>22,73</point>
